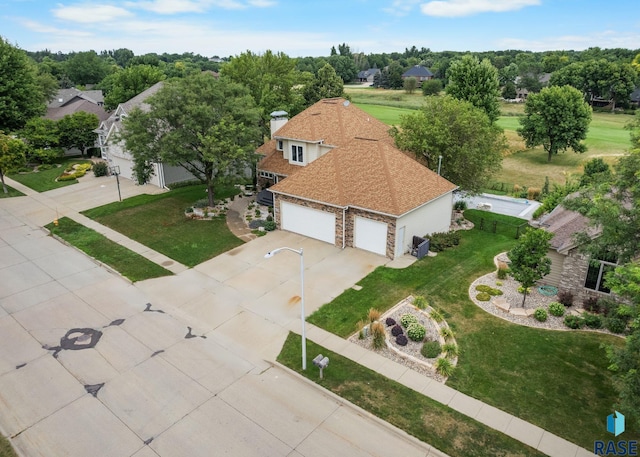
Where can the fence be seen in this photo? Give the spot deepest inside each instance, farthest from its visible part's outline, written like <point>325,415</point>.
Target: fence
<point>500,227</point>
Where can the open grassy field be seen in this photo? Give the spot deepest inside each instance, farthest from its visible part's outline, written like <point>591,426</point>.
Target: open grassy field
<point>607,137</point>
<point>548,378</point>
<point>42,181</point>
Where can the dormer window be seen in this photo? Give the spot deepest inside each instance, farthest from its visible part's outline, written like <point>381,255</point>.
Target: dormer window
<point>297,154</point>
<point>279,145</point>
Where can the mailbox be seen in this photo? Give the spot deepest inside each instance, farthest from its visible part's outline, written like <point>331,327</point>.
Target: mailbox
<point>321,362</point>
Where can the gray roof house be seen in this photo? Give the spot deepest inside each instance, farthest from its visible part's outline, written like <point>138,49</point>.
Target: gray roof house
<point>115,154</point>
<point>419,72</point>
<point>69,101</point>
<point>367,76</point>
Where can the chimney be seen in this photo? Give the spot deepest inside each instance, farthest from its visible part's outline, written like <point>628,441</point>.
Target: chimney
<point>278,119</point>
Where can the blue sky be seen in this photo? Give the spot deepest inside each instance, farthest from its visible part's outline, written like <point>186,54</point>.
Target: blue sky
<point>310,27</point>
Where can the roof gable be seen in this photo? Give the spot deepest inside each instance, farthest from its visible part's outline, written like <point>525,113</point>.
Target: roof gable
<point>417,71</point>
<point>369,174</point>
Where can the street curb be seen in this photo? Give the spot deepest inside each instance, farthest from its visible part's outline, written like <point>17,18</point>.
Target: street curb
<point>431,452</point>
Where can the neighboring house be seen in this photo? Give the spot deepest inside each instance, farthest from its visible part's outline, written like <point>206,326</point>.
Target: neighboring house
<point>70,101</point>
<point>114,152</point>
<point>367,76</point>
<point>522,93</point>
<point>634,98</point>
<point>419,72</point>
<point>570,269</point>
<point>336,176</point>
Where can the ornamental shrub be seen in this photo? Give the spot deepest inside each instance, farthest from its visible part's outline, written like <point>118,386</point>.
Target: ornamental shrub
<point>100,169</point>
<point>444,367</point>
<point>401,340</point>
<point>436,315</point>
<point>396,330</point>
<point>565,297</point>
<point>416,331</point>
<point>420,302</point>
<point>483,296</point>
<point>373,315</point>
<point>377,331</point>
<point>556,309</point>
<point>390,321</point>
<point>592,320</point>
<point>451,349</point>
<point>446,333</point>
<point>540,314</point>
<point>591,304</point>
<point>616,325</point>
<point>269,226</point>
<point>574,322</point>
<point>431,349</point>
<point>483,288</point>
<point>407,319</point>
<point>502,273</point>
<point>460,205</point>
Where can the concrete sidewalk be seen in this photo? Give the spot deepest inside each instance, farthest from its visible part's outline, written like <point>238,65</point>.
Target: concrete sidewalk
<point>490,416</point>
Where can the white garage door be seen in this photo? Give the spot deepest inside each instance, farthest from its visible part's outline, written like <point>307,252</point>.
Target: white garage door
<point>313,223</point>
<point>370,235</point>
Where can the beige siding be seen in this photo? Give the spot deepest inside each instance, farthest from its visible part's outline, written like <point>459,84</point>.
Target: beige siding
<point>557,266</point>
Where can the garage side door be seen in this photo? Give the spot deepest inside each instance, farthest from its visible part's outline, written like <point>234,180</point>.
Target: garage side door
<point>313,223</point>
<point>370,235</point>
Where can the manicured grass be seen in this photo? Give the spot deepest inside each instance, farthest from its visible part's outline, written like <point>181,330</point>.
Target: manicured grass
<point>12,192</point>
<point>158,221</point>
<point>418,415</point>
<point>551,379</point>
<point>5,448</point>
<point>42,181</point>
<point>123,260</point>
<point>385,97</point>
<point>390,115</point>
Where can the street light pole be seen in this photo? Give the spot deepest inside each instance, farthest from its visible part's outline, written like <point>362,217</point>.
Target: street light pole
<point>302,314</point>
<point>116,171</point>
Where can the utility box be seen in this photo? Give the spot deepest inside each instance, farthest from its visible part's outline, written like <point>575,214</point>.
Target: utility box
<point>419,247</point>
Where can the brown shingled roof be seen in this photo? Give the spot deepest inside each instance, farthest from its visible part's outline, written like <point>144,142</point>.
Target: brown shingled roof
<point>368,174</point>
<point>335,121</point>
<point>564,224</point>
<point>274,160</point>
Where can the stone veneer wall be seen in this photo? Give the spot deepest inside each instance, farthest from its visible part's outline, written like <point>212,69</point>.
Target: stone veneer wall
<point>349,220</point>
<point>391,227</point>
<point>574,274</point>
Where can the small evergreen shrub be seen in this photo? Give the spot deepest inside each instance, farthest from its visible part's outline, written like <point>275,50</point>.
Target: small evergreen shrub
<point>565,297</point>
<point>616,325</point>
<point>390,321</point>
<point>591,304</point>
<point>483,296</point>
<point>396,330</point>
<point>574,322</point>
<point>269,226</point>
<point>416,331</point>
<point>556,309</point>
<point>401,340</point>
<point>460,205</point>
<point>431,349</point>
<point>407,319</point>
<point>269,218</point>
<point>592,320</point>
<point>444,367</point>
<point>420,302</point>
<point>483,288</point>
<point>443,240</point>
<point>540,314</point>
<point>100,169</point>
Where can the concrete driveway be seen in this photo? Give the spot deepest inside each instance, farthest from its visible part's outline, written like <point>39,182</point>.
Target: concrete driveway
<point>92,365</point>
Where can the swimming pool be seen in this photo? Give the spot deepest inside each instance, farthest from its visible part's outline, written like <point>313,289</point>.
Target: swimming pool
<point>518,207</point>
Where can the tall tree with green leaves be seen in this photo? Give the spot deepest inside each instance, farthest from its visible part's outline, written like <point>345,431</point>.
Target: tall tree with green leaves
<point>557,118</point>
<point>470,145</point>
<point>21,94</point>
<point>125,84</point>
<point>529,261</point>
<point>208,126</point>
<point>476,82</point>
<point>12,156</point>
<point>327,84</point>
<point>86,68</point>
<point>77,130</point>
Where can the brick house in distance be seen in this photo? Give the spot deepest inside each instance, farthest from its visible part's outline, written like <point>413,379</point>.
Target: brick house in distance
<point>336,175</point>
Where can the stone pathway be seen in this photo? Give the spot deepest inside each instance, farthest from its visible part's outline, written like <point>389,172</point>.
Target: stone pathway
<point>235,220</point>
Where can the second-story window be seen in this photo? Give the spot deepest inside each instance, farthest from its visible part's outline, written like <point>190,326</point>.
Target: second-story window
<point>297,154</point>
<point>279,145</point>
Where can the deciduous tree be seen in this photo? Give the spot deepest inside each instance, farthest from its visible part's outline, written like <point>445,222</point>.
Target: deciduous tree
<point>77,130</point>
<point>125,84</point>
<point>86,68</point>
<point>476,82</point>
<point>556,118</point>
<point>529,261</point>
<point>12,156</point>
<point>21,95</point>
<point>208,126</point>
<point>326,84</point>
<point>410,84</point>
<point>470,145</point>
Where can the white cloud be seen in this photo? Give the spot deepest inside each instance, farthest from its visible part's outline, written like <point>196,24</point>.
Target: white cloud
<point>262,3</point>
<point>194,6</point>
<point>401,7</point>
<point>89,13</point>
<point>457,8</point>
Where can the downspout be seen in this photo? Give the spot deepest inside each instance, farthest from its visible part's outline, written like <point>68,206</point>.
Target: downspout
<point>344,227</point>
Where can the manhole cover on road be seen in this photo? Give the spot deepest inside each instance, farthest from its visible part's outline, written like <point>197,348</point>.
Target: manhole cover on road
<point>167,263</point>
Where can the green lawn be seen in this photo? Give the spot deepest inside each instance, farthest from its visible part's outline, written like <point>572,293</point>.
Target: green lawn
<point>158,221</point>
<point>12,192</point>
<point>5,448</point>
<point>418,415</point>
<point>42,181</point>
<point>123,260</point>
<point>548,378</point>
